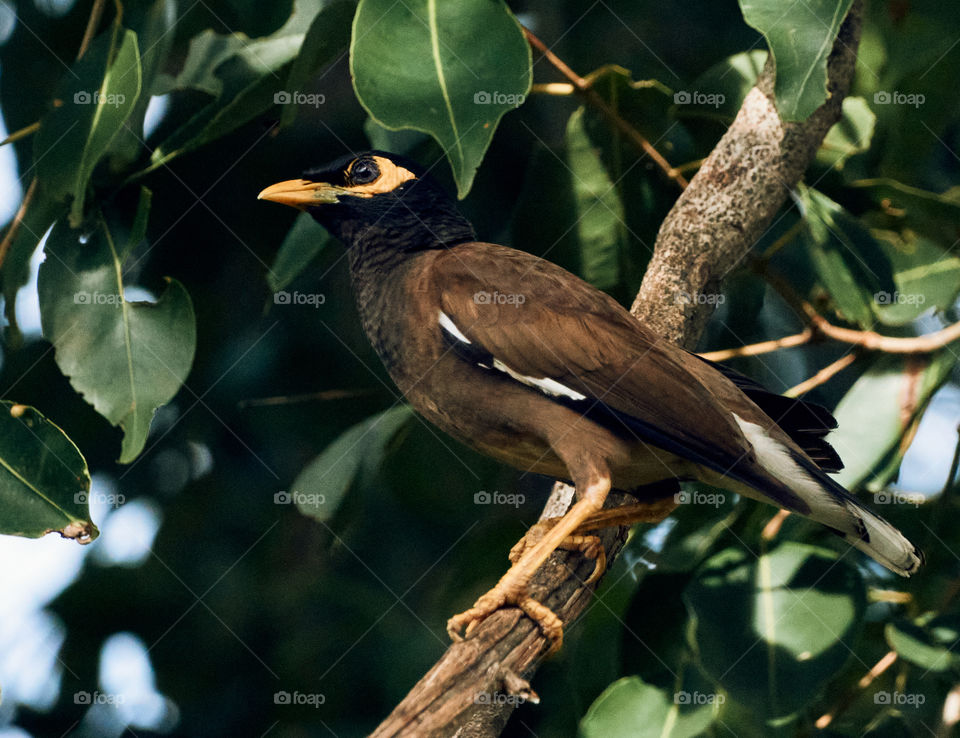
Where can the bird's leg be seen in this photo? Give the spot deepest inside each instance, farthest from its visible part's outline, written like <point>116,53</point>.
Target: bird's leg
<point>512,587</point>
<point>590,546</point>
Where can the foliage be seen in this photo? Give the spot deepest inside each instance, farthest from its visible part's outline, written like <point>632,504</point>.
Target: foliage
<point>200,352</point>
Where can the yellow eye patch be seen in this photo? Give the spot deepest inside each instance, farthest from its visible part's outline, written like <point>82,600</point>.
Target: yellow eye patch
<point>391,177</point>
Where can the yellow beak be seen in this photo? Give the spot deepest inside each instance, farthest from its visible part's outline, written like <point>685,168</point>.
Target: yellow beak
<point>301,193</point>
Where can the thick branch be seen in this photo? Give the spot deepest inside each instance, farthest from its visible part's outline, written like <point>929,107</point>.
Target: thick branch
<point>713,225</point>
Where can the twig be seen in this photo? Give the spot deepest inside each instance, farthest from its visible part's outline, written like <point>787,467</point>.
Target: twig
<point>823,375</point>
<point>764,347</point>
<point>590,95</point>
<point>93,22</point>
<point>560,89</point>
<point>865,681</point>
<point>17,220</point>
<point>22,133</point>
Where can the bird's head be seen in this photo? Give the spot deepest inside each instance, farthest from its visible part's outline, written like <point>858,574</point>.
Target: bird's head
<point>376,199</point>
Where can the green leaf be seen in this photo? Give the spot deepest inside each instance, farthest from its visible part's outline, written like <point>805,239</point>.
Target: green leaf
<point>44,481</point>
<point>598,209</point>
<point>125,358</point>
<point>153,25</point>
<point>773,630</point>
<point>328,35</point>
<point>449,69</point>
<point>848,260</point>
<point>630,708</point>
<point>926,644</point>
<point>320,488</point>
<point>937,216</point>
<point>91,105</point>
<point>850,135</point>
<point>728,82</point>
<point>925,278</point>
<point>241,74</point>
<point>800,37</point>
<point>869,429</point>
<point>303,242</point>
<point>41,212</point>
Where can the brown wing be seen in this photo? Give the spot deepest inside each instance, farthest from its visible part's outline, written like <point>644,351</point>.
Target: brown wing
<point>542,323</point>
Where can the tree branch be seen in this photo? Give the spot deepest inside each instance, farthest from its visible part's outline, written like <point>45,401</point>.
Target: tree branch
<point>731,200</point>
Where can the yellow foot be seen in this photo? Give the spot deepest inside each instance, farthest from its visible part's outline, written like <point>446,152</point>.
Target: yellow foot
<point>509,592</point>
<point>589,546</point>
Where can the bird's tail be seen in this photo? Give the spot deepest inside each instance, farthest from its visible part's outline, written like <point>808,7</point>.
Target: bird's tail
<point>827,502</point>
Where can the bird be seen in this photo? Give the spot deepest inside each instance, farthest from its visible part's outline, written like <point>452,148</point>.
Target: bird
<point>522,360</point>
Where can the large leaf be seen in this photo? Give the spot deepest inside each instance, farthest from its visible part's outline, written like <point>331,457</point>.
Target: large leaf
<point>850,135</point>
<point>328,35</point>
<point>125,358</point>
<point>599,211</point>
<point>91,105</point>
<point>630,708</point>
<point>244,76</point>
<point>869,429</point>
<point>848,260</point>
<point>925,278</point>
<point>801,37</point>
<point>927,642</point>
<point>719,92</point>
<point>935,215</point>
<point>44,481</point>
<point>772,630</point>
<point>450,69</point>
<point>303,242</point>
<point>320,488</point>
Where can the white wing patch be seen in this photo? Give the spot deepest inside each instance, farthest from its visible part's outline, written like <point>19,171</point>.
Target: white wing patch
<point>548,386</point>
<point>450,327</point>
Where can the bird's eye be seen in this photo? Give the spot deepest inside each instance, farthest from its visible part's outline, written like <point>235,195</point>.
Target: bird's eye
<point>364,171</point>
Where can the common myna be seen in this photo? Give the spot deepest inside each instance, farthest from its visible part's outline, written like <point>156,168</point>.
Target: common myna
<point>525,362</point>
